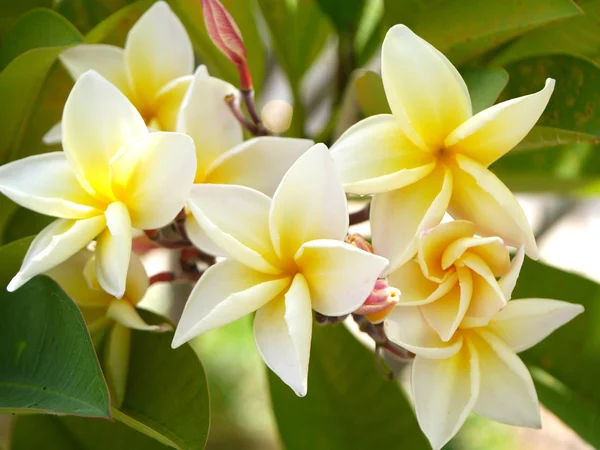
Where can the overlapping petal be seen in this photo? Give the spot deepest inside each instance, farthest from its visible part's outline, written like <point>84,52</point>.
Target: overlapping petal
<point>125,314</point>
<point>508,282</point>
<point>168,101</point>
<point>491,250</point>
<point>199,238</point>
<point>416,289</point>
<point>487,297</point>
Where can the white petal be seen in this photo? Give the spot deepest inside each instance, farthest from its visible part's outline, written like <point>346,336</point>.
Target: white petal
<point>55,244</point>
<point>107,60</point>
<point>116,362</point>
<point>375,156</point>
<point>226,291</point>
<point>206,117</point>
<point>507,393</point>
<point>113,250</point>
<point>46,184</point>
<point>137,280</point>
<point>524,323</point>
<point>508,282</point>
<point>424,90</point>
<point>406,327</point>
<point>309,204</point>
<point>479,196</point>
<point>153,176</point>
<point>283,331</point>
<point>339,275</point>
<point>157,51</point>
<point>199,238</point>
<point>54,135</point>
<point>169,99</point>
<point>444,392</point>
<point>125,314</point>
<point>236,218</point>
<point>399,216</point>
<point>494,131</point>
<point>258,163</point>
<point>97,121</point>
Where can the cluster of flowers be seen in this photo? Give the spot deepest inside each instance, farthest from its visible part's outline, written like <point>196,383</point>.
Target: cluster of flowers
<point>146,141</point>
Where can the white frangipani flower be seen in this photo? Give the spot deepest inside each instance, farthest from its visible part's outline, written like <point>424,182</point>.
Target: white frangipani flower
<point>431,154</point>
<point>478,369</point>
<point>154,70</point>
<point>223,155</point>
<point>112,176</point>
<point>287,258</point>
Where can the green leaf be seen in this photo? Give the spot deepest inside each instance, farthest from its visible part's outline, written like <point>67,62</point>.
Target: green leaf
<point>348,405</point>
<point>167,393</point>
<point>485,85</point>
<point>370,94</point>
<point>113,30</point>
<point>21,223</point>
<point>344,15</point>
<point>86,14</point>
<point>10,12</point>
<point>47,360</point>
<point>571,355</point>
<point>465,29</point>
<point>370,31</point>
<point>545,137</point>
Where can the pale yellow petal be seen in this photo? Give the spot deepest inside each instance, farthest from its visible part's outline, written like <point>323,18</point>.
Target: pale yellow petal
<point>424,90</point>
<point>125,314</point>
<point>487,297</point>
<point>116,362</point>
<point>508,282</point>
<point>137,280</point>
<point>493,132</point>
<point>414,286</point>
<point>492,250</point>
<point>169,100</point>
<point>54,135</point>
<point>375,156</point>
<point>199,238</point>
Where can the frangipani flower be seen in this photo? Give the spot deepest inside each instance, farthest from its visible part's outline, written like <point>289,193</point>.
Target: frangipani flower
<point>287,257</point>
<point>478,369</point>
<point>223,156</point>
<point>113,176</point>
<point>431,154</point>
<point>453,277</point>
<point>154,70</point>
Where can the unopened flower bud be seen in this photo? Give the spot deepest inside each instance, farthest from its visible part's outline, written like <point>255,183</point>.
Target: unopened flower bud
<point>277,115</point>
<point>380,302</point>
<point>360,242</point>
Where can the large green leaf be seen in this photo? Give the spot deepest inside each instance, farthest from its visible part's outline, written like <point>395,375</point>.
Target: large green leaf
<point>344,15</point>
<point>485,85</point>
<point>47,361</point>
<point>464,29</point>
<point>86,14</point>
<point>370,94</point>
<point>547,137</point>
<point>348,405</point>
<point>11,11</point>
<point>113,30</point>
<point>571,355</point>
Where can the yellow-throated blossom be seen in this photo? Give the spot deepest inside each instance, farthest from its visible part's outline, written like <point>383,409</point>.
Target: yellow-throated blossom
<point>453,277</point>
<point>223,156</point>
<point>431,154</point>
<point>154,70</point>
<point>287,257</point>
<point>478,369</point>
<point>112,176</point>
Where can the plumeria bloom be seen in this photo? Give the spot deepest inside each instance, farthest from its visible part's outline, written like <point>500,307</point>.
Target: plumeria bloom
<point>154,70</point>
<point>452,280</point>
<point>112,176</point>
<point>478,369</point>
<point>222,154</point>
<point>287,257</point>
<point>431,154</point>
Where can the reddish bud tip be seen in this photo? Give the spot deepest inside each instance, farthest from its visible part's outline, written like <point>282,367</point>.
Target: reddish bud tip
<point>226,35</point>
<point>360,242</point>
<point>380,302</point>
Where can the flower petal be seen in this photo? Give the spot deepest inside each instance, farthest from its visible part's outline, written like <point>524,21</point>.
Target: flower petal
<point>508,282</point>
<point>309,204</point>
<point>125,314</point>
<point>408,328</point>
<point>46,184</point>
<point>479,196</point>
<point>153,176</point>
<point>425,92</point>
<point>236,218</point>
<point>491,250</point>
<point>169,100</point>
<point>433,243</point>
<point>116,362</point>
<point>375,156</point>
<point>507,393</point>
<point>339,275</point>
<point>157,51</point>
<point>226,291</point>
<point>107,60</point>
<point>399,216</point>
<point>283,332</point>
<point>493,132</point>
<point>414,287</point>
<point>258,163</point>
<point>445,391</point>
<point>524,323</point>
<point>54,244</point>
<point>113,250</point>
<point>137,280</point>
<point>54,135</point>
<point>206,118</point>
<point>199,238</point>
<point>97,121</point>
<point>487,298</point>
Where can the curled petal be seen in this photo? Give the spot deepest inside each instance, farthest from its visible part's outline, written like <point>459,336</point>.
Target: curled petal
<point>283,332</point>
<point>425,92</point>
<point>375,156</point>
<point>226,291</point>
<point>340,276</point>
<point>169,100</point>
<point>487,298</point>
<point>479,196</point>
<point>491,250</point>
<point>54,135</point>
<point>125,314</point>
<point>137,280</point>
<point>493,132</point>
<point>508,282</point>
<point>416,289</point>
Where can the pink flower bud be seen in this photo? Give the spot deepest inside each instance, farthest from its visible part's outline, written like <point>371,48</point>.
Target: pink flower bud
<point>226,35</point>
<point>360,242</point>
<point>380,302</point>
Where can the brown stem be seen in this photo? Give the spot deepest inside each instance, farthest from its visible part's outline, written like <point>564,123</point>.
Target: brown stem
<point>361,215</point>
<point>377,333</point>
<point>256,129</point>
<point>248,97</point>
